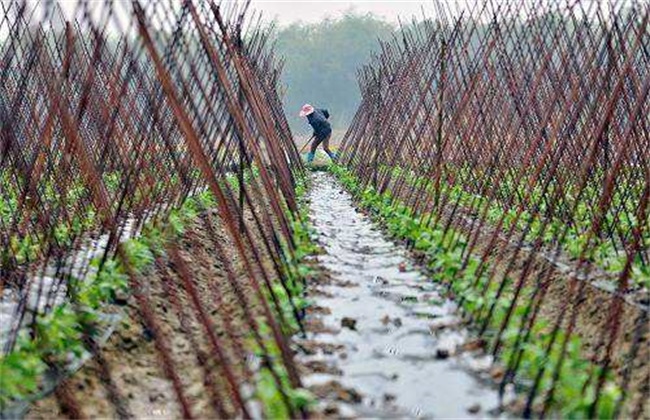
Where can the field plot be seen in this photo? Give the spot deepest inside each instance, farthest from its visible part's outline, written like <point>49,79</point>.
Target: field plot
<point>480,247</point>
<point>510,146</point>
<point>147,188</point>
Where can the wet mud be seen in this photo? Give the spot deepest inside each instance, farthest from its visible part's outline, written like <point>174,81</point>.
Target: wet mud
<point>384,340</point>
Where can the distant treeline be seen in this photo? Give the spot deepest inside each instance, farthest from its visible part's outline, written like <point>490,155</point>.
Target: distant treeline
<point>321,62</point>
<point>322,59</point>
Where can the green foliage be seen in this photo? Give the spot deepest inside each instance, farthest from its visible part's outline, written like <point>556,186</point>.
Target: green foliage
<point>104,286</point>
<point>269,394</point>
<point>298,268</point>
<point>301,398</point>
<point>266,388</point>
<point>267,391</point>
<point>138,253</point>
<point>58,335</point>
<point>572,394</point>
<point>24,249</point>
<point>19,371</point>
<point>577,240</point>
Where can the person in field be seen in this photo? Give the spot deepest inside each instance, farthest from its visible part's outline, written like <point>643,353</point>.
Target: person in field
<point>318,119</point>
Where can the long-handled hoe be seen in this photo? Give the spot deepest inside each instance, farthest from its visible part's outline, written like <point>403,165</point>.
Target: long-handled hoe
<point>305,145</point>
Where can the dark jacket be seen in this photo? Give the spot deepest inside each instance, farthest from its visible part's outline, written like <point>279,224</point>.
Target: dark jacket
<point>318,121</point>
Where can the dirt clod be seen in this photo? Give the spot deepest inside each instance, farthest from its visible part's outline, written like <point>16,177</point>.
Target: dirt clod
<point>349,395</point>
<point>128,344</point>
<point>349,323</point>
<point>334,389</point>
<point>497,372</point>
<point>444,323</point>
<point>318,310</point>
<point>331,410</point>
<point>442,354</point>
<point>121,297</point>
<point>319,366</point>
<point>473,345</point>
<point>155,397</point>
<point>474,408</point>
<point>380,280</point>
<point>388,320</point>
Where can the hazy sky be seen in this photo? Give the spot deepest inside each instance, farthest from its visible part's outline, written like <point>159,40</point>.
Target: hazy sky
<point>285,12</point>
<point>291,11</point>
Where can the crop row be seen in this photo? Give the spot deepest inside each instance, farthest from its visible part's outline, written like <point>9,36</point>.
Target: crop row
<point>548,365</point>
<point>520,131</point>
<point>134,137</point>
<point>607,252</point>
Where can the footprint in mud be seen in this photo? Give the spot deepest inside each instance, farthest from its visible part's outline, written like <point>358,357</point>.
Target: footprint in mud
<point>400,349</point>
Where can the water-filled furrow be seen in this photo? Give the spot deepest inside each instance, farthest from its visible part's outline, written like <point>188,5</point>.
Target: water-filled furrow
<point>399,342</point>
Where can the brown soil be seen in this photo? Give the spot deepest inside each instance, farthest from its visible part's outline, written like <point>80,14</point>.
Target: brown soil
<point>126,378</point>
<point>593,323</point>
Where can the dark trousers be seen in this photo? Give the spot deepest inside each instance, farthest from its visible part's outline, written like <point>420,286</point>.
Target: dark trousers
<point>326,144</point>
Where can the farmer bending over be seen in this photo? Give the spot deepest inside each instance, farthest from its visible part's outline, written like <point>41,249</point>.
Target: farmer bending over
<point>317,118</point>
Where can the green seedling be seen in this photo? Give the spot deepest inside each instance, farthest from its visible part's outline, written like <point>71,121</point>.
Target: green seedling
<point>572,394</point>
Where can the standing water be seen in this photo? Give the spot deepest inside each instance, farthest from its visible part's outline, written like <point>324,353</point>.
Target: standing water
<point>399,341</point>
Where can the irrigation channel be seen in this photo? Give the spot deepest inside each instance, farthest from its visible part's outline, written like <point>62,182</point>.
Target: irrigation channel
<point>386,337</point>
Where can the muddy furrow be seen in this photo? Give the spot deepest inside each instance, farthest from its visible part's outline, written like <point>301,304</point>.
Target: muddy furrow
<point>383,340</point>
